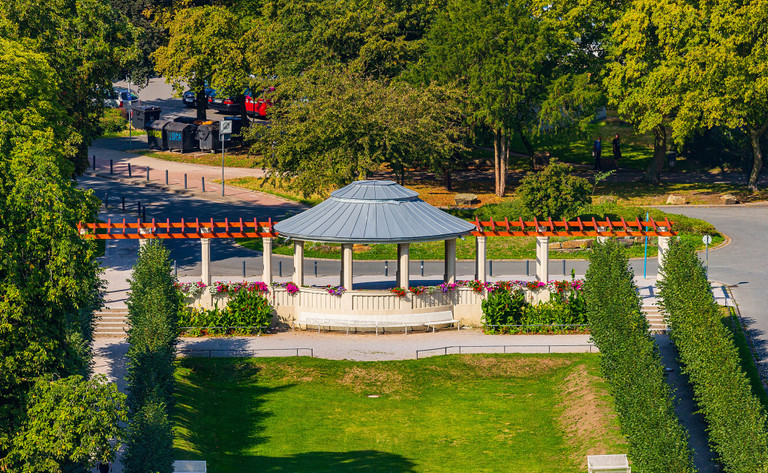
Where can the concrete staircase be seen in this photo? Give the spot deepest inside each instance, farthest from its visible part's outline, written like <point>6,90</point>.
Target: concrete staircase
<point>655,319</point>
<point>111,323</point>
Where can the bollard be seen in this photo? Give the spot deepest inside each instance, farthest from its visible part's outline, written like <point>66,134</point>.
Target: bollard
<point>144,214</point>
<point>563,267</point>
<point>527,268</point>
<point>106,201</point>
<point>175,268</point>
<point>280,268</point>
<point>166,177</point>
<point>422,268</point>
<point>386,268</point>
<point>203,181</point>
<point>94,162</point>
<point>490,268</point>
<point>138,209</point>
<point>111,167</point>
<point>243,264</point>
<point>185,180</point>
<point>122,203</point>
<point>147,172</point>
<point>129,170</point>
<point>315,268</point>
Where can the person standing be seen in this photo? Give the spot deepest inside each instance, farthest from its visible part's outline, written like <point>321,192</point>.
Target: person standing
<point>597,150</point>
<point>616,151</point>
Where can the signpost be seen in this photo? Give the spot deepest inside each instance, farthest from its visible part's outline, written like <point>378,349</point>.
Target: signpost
<point>707,239</point>
<point>225,131</point>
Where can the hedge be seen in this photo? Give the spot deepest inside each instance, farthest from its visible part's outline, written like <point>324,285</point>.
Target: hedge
<point>246,311</point>
<point>736,421</point>
<point>630,362</point>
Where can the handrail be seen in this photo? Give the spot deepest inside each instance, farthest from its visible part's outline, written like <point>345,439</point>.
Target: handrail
<point>460,347</point>
<point>211,351</point>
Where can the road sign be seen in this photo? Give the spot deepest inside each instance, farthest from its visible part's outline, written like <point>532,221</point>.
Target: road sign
<point>707,239</point>
<point>225,127</point>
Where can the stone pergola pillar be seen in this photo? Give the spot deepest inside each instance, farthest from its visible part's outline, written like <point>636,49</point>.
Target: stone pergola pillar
<point>542,259</point>
<point>450,261</point>
<point>205,252</point>
<point>480,258</point>
<point>298,262</point>
<point>267,257</point>
<point>143,241</point>
<point>663,248</point>
<point>346,265</point>
<point>602,239</point>
<point>403,261</point>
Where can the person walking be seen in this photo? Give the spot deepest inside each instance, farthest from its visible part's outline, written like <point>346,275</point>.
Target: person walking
<point>616,151</point>
<point>597,150</point>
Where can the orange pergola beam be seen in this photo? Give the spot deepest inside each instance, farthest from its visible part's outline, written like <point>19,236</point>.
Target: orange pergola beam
<point>578,227</point>
<point>168,230</point>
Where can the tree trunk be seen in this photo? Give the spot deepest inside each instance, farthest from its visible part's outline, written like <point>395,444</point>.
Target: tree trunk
<point>243,112</point>
<point>528,147</point>
<point>757,154</point>
<point>447,179</point>
<point>653,172</point>
<point>202,103</point>
<point>501,160</point>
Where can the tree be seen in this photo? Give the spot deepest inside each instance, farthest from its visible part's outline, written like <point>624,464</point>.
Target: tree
<point>49,279</point>
<point>144,15</point>
<point>87,43</point>
<point>150,440</point>
<point>70,423</point>
<point>205,47</point>
<point>331,126</point>
<point>554,192</point>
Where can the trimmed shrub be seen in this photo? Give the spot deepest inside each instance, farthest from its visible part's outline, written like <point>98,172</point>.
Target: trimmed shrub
<point>150,440</point>
<point>630,362</point>
<point>554,192</point>
<point>113,121</point>
<point>735,418</point>
<point>503,308</point>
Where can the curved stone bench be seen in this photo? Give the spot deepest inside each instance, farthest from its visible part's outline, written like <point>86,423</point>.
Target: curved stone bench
<point>375,321</point>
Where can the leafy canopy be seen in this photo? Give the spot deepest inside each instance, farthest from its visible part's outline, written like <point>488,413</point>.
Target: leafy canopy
<point>554,192</point>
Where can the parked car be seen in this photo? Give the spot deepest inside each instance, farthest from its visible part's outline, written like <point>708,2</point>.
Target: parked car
<point>258,104</point>
<point>124,98</point>
<point>190,100</point>
<point>222,104</point>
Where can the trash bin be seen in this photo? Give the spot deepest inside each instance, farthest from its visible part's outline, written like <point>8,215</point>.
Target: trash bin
<point>143,116</point>
<point>237,125</point>
<point>157,135</point>
<point>208,136</point>
<point>181,136</point>
<point>185,119</point>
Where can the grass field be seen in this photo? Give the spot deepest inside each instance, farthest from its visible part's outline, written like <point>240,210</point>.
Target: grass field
<point>231,160</point>
<point>480,413</point>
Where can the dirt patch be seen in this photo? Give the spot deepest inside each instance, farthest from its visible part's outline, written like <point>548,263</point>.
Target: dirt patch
<point>485,366</point>
<point>587,417</point>
<point>373,380</point>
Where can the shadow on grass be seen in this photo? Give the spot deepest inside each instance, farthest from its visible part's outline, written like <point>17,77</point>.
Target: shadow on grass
<point>237,400</point>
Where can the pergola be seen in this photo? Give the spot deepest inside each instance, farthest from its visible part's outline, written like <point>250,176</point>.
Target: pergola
<point>374,212</point>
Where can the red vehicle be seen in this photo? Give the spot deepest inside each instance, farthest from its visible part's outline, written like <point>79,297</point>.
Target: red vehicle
<point>258,105</point>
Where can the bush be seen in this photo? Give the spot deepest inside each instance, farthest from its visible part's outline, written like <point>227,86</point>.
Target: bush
<point>113,121</point>
<point>630,362</point>
<point>736,420</point>
<point>554,192</point>
<point>503,308</point>
<point>247,310</point>
<point>507,307</point>
<point>150,440</point>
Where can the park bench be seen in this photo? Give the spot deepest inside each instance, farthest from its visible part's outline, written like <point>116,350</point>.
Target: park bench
<point>375,321</point>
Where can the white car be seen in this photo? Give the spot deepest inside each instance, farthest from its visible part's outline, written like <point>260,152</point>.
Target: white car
<point>122,98</point>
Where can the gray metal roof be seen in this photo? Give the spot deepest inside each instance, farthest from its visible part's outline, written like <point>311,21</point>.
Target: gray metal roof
<point>373,212</point>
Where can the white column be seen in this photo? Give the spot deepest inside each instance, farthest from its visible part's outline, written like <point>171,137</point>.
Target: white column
<point>542,259</point>
<point>267,260</point>
<point>205,252</point>
<point>663,248</point>
<point>403,260</point>
<point>480,259</point>
<point>298,262</point>
<point>450,261</point>
<point>346,265</point>
<point>602,239</point>
<point>144,241</point>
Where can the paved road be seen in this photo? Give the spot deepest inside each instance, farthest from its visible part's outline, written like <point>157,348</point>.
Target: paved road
<point>742,264</point>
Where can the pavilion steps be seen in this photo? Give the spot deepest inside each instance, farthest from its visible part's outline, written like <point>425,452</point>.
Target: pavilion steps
<point>655,319</point>
<point>111,323</point>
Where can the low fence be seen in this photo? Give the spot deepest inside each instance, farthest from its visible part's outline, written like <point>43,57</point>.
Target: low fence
<point>242,353</point>
<point>471,349</point>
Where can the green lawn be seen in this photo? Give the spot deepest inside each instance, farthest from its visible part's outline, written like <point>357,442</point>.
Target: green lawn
<point>480,413</point>
<point>207,159</point>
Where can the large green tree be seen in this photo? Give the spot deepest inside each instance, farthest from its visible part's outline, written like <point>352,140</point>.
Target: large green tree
<point>331,126</point>
<point>49,276</point>
<point>86,42</point>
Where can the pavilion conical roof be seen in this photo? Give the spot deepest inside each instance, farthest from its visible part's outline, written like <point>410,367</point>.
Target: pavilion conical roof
<point>373,212</point>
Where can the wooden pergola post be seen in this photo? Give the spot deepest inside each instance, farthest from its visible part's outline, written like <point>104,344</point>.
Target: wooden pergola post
<point>480,258</point>
<point>267,257</point>
<point>205,253</point>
